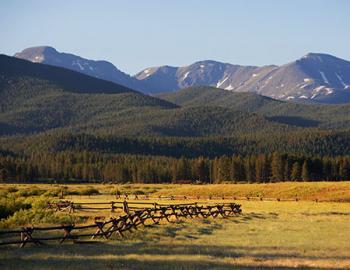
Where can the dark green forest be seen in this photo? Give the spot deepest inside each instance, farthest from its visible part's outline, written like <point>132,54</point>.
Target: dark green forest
<point>95,167</point>
<point>58,124</point>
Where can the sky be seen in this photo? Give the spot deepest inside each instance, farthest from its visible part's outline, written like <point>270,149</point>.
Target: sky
<point>135,34</point>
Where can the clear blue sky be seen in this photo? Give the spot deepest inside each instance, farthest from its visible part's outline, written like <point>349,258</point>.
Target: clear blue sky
<point>137,34</point>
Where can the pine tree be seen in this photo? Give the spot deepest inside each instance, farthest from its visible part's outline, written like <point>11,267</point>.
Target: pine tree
<point>295,174</point>
<point>277,168</point>
<point>305,171</point>
<point>344,169</point>
<point>224,169</point>
<point>183,169</point>
<point>238,173</point>
<point>3,175</point>
<point>250,169</point>
<point>260,168</point>
<point>326,169</point>
<point>201,169</point>
<point>287,170</point>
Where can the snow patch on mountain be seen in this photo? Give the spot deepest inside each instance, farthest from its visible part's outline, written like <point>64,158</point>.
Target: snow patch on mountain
<point>38,59</point>
<point>324,77</point>
<point>230,87</point>
<point>77,63</point>
<point>186,75</point>
<point>340,80</point>
<point>221,82</point>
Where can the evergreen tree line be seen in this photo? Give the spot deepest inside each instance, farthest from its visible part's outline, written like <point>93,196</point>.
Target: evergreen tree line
<point>96,167</point>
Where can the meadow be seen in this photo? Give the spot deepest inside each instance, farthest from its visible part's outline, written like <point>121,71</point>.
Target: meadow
<point>311,232</point>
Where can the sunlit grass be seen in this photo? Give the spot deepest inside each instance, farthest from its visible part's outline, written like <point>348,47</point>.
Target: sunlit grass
<point>326,191</point>
<point>292,234</point>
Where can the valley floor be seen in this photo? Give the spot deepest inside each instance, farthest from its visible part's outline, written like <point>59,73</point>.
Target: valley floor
<point>268,234</point>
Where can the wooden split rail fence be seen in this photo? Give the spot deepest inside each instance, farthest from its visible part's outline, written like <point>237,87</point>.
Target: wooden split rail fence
<point>71,207</point>
<point>186,197</point>
<point>117,226</point>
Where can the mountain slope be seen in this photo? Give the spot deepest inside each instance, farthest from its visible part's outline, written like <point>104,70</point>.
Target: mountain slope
<point>313,78</point>
<point>203,73</point>
<point>316,77</point>
<point>98,69</point>
<point>305,115</point>
<point>36,98</point>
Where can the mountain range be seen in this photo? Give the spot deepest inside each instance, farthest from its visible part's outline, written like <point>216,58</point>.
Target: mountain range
<point>58,109</point>
<point>98,69</point>
<point>36,97</point>
<point>315,77</point>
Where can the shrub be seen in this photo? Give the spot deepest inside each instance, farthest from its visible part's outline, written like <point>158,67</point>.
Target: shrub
<point>30,192</point>
<point>12,189</point>
<point>37,216</point>
<point>52,193</point>
<point>9,208</point>
<point>114,191</point>
<point>89,191</point>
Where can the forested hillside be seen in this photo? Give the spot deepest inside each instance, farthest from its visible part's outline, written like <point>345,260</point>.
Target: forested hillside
<point>296,114</point>
<point>83,128</point>
<point>322,143</point>
<point>36,98</point>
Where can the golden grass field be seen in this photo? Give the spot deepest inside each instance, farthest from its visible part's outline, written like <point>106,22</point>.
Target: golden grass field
<point>268,234</point>
<point>324,191</point>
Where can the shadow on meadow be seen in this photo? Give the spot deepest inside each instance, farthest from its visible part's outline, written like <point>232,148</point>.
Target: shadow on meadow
<point>104,255</point>
<point>122,264</point>
<point>150,253</point>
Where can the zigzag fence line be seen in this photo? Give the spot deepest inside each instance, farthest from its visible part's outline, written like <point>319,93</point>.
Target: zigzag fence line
<point>117,226</point>
<point>185,197</point>
<point>125,205</point>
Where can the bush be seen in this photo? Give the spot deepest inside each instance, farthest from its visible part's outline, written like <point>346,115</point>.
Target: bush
<point>53,193</point>
<point>12,190</point>
<point>89,191</point>
<point>37,216</point>
<point>9,208</point>
<point>31,192</point>
<point>114,191</point>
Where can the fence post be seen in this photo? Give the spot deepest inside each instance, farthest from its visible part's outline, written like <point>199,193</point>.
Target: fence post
<point>125,207</point>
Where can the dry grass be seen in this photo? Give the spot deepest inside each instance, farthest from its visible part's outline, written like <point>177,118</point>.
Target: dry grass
<point>268,234</point>
<point>325,191</point>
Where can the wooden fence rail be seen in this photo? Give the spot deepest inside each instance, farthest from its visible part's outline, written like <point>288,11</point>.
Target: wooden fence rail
<point>113,205</point>
<point>71,207</point>
<point>186,197</point>
<point>117,226</point>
